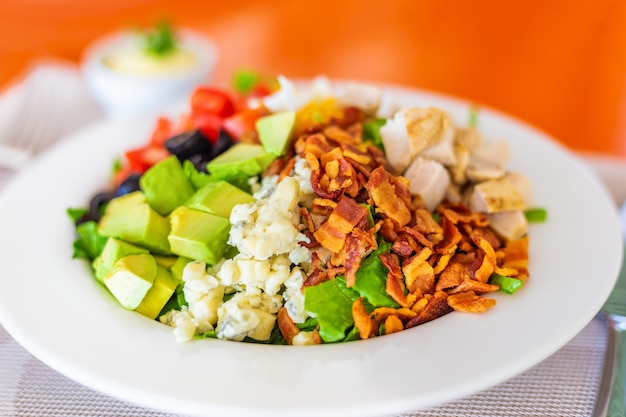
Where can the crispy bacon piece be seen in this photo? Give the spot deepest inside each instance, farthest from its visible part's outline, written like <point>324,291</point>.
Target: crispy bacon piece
<point>395,282</point>
<point>287,168</point>
<point>340,136</point>
<point>344,217</point>
<point>453,275</point>
<point>516,257</point>
<point>469,284</point>
<point>426,225</point>
<point>458,213</point>
<point>380,159</point>
<point>384,193</point>
<point>381,313</point>
<point>316,144</point>
<point>469,302</point>
<point>362,320</point>
<point>318,276</point>
<point>436,307</point>
<point>402,247</point>
<point>451,237</point>
<point>287,327</point>
<point>354,250</point>
<point>355,154</point>
<point>393,324</point>
<point>418,273</point>
<point>488,265</point>
<point>308,220</point>
<point>418,236</point>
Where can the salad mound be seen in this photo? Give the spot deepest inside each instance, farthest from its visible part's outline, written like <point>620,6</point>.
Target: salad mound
<point>287,214</point>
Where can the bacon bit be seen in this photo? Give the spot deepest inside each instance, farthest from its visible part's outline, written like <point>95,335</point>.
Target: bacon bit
<point>395,289</point>
<point>441,264</point>
<point>402,248</point>
<point>340,136</point>
<point>393,325</point>
<point>332,169</point>
<point>362,172</point>
<point>308,220</point>
<point>516,257</point>
<point>436,307</point>
<point>419,305</point>
<point>417,236</point>
<point>458,213</point>
<point>356,131</point>
<point>316,145</point>
<point>287,168</point>
<point>383,193</point>
<point>362,320</point>
<point>317,183</point>
<point>355,154</point>
<point>344,217</point>
<point>425,224</point>
<point>316,277</point>
<point>317,339</point>
<point>507,272</point>
<point>451,237</point>
<point>469,284</point>
<point>487,234</point>
<point>453,275</point>
<point>332,155</point>
<point>287,327</point>
<point>323,206</point>
<point>312,243</point>
<point>334,272</point>
<point>316,261</point>
<point>354,250</point>
<point>379,314</point>
<point>418,273</point>
<point>388,230</point>
<point>380,159</point>
<point>469,302</point>
<point>488,265</point>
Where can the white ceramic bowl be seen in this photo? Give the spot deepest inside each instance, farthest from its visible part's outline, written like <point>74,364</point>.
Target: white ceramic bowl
<point>124,95</point>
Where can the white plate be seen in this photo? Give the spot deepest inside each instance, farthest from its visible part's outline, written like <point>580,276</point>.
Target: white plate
<point>50,304</point>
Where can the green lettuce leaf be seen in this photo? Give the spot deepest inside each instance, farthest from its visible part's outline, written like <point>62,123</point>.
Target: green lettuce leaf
<point>331,302</point>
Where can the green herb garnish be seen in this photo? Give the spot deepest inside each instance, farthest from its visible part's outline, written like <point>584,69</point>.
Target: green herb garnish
<point>160,40</point>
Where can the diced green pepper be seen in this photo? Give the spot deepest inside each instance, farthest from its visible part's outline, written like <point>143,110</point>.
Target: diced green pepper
<point>536,215</point>
<point>507,284</point>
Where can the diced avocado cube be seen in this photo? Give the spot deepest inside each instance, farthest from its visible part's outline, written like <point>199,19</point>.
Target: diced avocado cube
<point>130,218</point>
<point>161,291</point>
<point>166,185</point>
<point>275,131</point>
<point>241,159</point>
<point>179,265</point>
<point>198,235</point>
<point>99,269</point>
<point>113,251</point>
<point>131,278</point>
<point>218,198</point>
<point>165,261</point>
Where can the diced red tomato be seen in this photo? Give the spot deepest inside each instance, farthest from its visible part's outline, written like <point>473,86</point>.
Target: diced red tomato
<point>213,101</point>
<point>260,90</point>
<point>140,159</point>
<point>209,124</point>
<point>162,131</point>
<point>240,123</point>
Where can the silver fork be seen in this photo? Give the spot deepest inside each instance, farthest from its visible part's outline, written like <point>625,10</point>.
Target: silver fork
<point>611,397</point>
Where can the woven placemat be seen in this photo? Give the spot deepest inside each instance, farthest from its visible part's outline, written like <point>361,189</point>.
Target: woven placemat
<point>563,385</point>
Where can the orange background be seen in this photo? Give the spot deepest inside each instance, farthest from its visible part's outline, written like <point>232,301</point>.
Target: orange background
<point>559,64</point>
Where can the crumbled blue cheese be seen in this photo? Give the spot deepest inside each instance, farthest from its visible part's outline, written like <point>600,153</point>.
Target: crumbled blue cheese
<point>261,276</point>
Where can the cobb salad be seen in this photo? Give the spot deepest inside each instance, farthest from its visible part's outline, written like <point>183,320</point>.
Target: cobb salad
<point>304,214</point>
